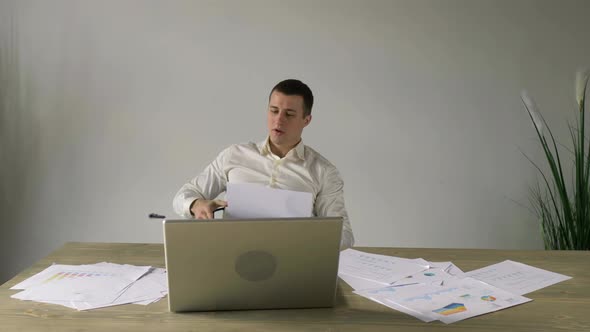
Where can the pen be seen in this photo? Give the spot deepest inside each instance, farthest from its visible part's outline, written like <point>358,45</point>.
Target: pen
<point>159,216</point>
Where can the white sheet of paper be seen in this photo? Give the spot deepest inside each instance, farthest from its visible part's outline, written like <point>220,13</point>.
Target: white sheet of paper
<point>408,311</point>
<point>456,300</point>
<point>53,284</point>
<point>517,278</point>
<point>249,200</point>
<point>418,261</point>
<point>97,284</point>
<point>361,283</point>
<point>149,288</point>
<point>42,276</point>
<point>433,275</point>
<point>448,267</point>
<point>379,295</point>
<point>373,267</point>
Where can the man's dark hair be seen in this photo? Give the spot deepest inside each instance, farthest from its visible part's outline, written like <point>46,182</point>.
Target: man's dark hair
<point>292,87</point>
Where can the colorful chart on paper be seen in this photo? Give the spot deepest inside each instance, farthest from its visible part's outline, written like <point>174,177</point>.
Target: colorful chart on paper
<point>73,274</point>
<point>451,309</point>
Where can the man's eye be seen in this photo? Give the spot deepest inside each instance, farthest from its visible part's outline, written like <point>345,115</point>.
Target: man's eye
<point>274,111</point>
<point>289,114</point>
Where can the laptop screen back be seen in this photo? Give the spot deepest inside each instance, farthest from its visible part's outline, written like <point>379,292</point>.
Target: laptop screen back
<point>252,263</point>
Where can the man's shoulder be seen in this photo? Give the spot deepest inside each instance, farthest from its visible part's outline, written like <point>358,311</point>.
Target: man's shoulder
<point>312,155</point>
<point>242,147</point>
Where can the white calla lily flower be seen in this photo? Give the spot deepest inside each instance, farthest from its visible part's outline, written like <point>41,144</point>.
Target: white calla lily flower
<point>582,77</point>
<point>531,107</point>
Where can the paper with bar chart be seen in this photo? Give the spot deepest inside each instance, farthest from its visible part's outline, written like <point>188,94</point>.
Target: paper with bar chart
<point>98,285</point>
<point>58,272</point>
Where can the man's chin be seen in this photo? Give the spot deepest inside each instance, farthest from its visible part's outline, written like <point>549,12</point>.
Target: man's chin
<point>276,141</point>
<point>277,138</point>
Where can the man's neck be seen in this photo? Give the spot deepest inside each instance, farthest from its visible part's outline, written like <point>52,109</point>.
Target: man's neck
<point>281,151</point>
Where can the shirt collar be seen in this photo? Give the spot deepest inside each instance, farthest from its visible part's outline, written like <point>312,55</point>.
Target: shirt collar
<point>264,148</point>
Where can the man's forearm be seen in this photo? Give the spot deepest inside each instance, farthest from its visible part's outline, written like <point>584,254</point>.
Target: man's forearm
<point>184,199</point>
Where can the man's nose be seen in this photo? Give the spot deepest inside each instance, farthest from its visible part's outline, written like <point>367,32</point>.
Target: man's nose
<point>281,117</point>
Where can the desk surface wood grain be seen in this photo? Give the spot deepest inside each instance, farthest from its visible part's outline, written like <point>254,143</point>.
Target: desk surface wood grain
<point>564,306</point>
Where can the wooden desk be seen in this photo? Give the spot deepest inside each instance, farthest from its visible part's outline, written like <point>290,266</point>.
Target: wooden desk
<point>565,306</point>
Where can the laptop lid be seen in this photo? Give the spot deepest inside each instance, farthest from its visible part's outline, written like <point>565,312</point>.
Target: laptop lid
<point>252,263</point>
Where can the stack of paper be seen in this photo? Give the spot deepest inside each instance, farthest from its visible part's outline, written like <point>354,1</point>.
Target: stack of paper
<point>85,287</point>
<point>440,290</point>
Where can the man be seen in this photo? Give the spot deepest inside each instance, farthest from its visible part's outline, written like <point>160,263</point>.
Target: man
<point>281,161</point>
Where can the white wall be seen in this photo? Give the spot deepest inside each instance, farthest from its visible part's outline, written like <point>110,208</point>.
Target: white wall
<point>107,107</point>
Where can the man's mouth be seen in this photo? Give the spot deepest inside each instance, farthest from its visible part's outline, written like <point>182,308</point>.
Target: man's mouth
<point>278,131</point>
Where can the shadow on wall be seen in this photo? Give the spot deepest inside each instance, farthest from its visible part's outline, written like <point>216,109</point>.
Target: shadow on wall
<point>19,141</point>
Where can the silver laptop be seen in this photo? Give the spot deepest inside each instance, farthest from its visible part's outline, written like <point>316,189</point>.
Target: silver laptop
<point>252,263</point>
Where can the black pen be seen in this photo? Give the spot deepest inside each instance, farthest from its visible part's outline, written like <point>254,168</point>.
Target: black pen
<point>159,216</point>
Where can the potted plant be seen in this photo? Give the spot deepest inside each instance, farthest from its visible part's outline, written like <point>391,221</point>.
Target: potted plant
<point>562,206</point>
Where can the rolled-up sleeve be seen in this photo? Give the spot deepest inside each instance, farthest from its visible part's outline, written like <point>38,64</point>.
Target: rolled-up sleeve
<point>207,185</point>
<point>330,203</point>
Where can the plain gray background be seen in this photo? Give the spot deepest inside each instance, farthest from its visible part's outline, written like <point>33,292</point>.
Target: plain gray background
<point>108,107</point>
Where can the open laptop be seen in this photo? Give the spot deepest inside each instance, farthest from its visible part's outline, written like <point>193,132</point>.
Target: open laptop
<point>236,264</point>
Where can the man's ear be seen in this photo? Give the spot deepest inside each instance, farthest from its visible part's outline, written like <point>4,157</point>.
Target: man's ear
<point>307,119</point>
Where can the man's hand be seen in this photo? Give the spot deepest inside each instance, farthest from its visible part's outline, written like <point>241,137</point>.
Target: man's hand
<point>203,209</point>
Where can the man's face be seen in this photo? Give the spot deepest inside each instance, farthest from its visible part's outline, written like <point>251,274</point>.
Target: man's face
<point>286,120</point>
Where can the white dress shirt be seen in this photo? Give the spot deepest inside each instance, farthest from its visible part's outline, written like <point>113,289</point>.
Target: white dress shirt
<point>302,169</point>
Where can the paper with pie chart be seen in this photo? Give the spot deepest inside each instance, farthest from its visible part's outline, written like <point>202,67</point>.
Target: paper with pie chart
<point>455,300</point>
<point>431,276</point>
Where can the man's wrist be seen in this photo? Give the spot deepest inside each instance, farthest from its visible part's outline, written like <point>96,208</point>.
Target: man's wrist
<point>190,208</point>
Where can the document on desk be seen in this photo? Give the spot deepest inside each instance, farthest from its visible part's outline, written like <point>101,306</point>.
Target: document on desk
<point>378,268</point>
<point>358,283</point>
<point>517,278</point>
<point>455,300</point>
<point>250,200</point>
<point>75,275</point>
<point>433,275</point>
<point>98,284</point>
<point>85,287</point>
<point>440,290</point>
<point>149,288</point>
<point>448,267</point>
